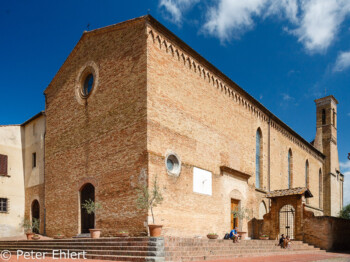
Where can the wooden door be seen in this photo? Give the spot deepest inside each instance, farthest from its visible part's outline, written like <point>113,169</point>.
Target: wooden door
<point>234,220</point>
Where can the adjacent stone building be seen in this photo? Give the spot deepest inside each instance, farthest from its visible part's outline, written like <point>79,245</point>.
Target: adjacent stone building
<point>21,174</point>
<point>133,102</point>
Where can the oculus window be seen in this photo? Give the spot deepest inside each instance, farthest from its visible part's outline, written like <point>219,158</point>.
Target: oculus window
<point>88,85</point>
<point>173,164</point>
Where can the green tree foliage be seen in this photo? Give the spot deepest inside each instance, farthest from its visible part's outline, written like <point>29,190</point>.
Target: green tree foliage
<point>91,206</point>
<point>30,226</point>
<point>345,212</point>
<point>148,198</point>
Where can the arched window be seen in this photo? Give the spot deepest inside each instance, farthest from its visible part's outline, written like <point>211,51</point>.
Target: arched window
<point>258,164</point>
<point>333,117</point>
<point>307,177</point>
<point>290,168</point>
<point>320,189</point>
<point>323,116</point>
<point>262,210</point>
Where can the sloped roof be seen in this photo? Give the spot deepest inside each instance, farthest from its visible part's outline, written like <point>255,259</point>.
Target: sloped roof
<point>34,117</point>
<point>152,21</point>
<point>290,192</point>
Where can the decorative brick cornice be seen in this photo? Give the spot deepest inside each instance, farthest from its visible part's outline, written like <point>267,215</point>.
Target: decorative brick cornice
<point>192,64</point>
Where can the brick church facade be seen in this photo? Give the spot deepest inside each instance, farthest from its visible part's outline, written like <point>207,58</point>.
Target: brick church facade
<point>132,102</point>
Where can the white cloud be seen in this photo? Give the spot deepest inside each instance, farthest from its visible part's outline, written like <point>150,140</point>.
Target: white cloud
<point>343,62</point>
<point>345,168</point>
<point>232,18</point>
<point>315,23</point>
<point>287,8</point>
<point>319,22</point>
<point>345,165</point>
<point>176,8</point>
<point>287,97</point>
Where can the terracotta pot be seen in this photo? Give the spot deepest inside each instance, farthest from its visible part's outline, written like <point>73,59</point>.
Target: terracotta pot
<point>95,233</point>
<point>155,230</point>
<point>36,237</point>
<point>122,235</point>
<point>212,236</point>
<point>30,236</point>
<point>264,238</point>
<point>242,234</point>
<point>58,237</point>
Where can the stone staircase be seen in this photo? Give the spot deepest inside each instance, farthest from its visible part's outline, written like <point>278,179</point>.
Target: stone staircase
<point>136,249</point>
<point>189,249</point>
<point>139,249</point>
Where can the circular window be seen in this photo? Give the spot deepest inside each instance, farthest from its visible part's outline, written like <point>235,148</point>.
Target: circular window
<point>173,164</point>
<point>88,84</point>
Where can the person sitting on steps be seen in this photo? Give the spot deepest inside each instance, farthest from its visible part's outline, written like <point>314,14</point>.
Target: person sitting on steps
<point>286,242</point>
<point>281,241</point>
<point>234,235</point>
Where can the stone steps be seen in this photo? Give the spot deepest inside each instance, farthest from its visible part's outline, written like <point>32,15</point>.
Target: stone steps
<point>161,249</point>
<point>75,247</point>
<point>201,258</point>
<point>94,251</point>
<point>178,249</point>
<point>117,249</point>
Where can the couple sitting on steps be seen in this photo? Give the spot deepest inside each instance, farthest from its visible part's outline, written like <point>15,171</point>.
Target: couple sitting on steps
<point>284,242</point>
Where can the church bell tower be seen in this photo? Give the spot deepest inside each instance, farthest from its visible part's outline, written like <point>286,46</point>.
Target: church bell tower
<point>326,142</point>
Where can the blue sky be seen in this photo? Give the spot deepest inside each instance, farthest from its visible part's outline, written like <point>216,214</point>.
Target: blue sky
<point>284,53</point>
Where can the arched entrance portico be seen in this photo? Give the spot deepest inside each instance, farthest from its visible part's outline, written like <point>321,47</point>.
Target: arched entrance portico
<point>286,213</point>
<point>87,220</point>
<point>35,214</point>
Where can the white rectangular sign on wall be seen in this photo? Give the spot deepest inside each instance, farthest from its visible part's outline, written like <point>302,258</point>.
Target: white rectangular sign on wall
<point>202,181</point>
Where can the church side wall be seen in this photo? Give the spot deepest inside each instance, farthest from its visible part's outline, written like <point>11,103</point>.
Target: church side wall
<point>280,144</point>
<point>208,126</point>
<point>102,141</point>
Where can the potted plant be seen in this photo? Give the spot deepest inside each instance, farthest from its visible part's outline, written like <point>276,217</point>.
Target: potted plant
<point>122,233</point>
<point>92,207</point>
<point>58,236</point>
<point>241,213</point>
<point>30,227</point>
<point>264,237</point>
<point>212,236</point>
<point>147,199</point>
<point>36,237</point>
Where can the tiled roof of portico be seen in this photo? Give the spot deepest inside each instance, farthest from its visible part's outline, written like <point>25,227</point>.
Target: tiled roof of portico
<point>290,192</point>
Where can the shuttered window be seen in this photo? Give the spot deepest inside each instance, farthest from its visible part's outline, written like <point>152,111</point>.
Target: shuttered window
<point>3,165</point>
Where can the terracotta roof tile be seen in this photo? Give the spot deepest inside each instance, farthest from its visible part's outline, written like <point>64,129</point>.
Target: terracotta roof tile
<point>290,192</point>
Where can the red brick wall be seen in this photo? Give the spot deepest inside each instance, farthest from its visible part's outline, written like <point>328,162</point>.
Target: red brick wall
<point>329,233</point>
<point>103,141</point>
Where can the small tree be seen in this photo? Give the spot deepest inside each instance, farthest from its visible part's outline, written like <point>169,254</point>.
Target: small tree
<point>241,213</point>
<point>91,206</point>
<point>148,198</point>
<point>345,212</point>
<point>31,226</point>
